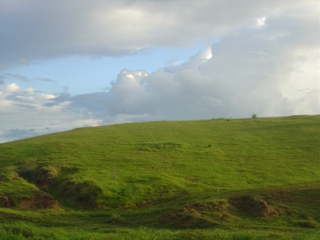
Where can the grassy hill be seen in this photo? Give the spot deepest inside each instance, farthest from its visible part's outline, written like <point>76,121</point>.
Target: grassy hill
<point>228,178</point>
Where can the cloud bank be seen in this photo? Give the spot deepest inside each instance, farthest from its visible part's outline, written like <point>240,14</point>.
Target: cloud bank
<point>36,30</point>
<point>266,62</point>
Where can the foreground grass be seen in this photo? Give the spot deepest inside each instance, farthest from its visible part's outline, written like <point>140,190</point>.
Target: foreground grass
<point>211,179</point>
<point>23,230</point>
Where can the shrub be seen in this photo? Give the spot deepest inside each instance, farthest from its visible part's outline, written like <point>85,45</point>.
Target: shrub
<point>81,194</point>
<point>254,115</point>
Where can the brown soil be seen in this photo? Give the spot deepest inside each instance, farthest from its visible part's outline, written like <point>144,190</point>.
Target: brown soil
<point>45,177</point>
<point>254,207</point>
<point>197,215</point>
<point>211,214</point>
<point>39,202</point>
<point>187,219</point>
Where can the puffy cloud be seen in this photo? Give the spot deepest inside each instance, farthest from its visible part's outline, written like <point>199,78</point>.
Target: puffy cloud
<point>13,87</point>
<point>261,21</point>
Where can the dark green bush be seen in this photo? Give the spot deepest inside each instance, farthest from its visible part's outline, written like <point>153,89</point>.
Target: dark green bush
<point>84,194</point>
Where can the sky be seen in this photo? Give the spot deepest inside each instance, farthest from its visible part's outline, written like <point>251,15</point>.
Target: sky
<point>70,64</point>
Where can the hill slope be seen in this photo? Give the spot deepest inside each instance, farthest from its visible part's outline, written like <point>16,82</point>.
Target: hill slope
<point>204,173</point>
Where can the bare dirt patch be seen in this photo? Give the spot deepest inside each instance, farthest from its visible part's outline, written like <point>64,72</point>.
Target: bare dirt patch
<point>38,202</point>
<point>200,215</point>
<point>254,207</point>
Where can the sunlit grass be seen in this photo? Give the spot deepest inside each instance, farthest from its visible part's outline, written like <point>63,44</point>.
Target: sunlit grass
<point>136,173</point>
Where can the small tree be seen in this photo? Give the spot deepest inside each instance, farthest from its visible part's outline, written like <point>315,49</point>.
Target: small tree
<point>254,115</point>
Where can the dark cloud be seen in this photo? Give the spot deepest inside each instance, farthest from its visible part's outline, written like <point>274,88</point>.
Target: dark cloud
<point>18,133</point>
<point>15,77</point>
<point>37,30</point>
<point>21,78</point>
<point>45,80</point>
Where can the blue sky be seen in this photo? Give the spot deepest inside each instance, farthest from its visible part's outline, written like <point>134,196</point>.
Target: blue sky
<point>83,74</point>
<point>69,64</point>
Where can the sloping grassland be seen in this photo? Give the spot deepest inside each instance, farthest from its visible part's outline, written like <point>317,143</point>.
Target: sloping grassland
<point>260,175</point>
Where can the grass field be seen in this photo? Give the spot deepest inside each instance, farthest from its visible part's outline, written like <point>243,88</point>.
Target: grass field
<point>255,178</point>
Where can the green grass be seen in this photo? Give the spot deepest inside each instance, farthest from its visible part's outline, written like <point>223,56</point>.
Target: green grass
<point>23,230</point>
<point>229,178</point>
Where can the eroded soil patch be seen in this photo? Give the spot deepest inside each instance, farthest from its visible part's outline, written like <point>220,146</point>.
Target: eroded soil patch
<point>254,207</point>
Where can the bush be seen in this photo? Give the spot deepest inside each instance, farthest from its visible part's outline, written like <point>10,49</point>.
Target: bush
<point>82,194</point>
<point>254,115</point>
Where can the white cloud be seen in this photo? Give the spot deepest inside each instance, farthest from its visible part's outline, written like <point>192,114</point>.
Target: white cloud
<point>261,21</point>
<point>272,71</point>
<point>13,87</point>
<point>233,78</point>
<point>26,113</point>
